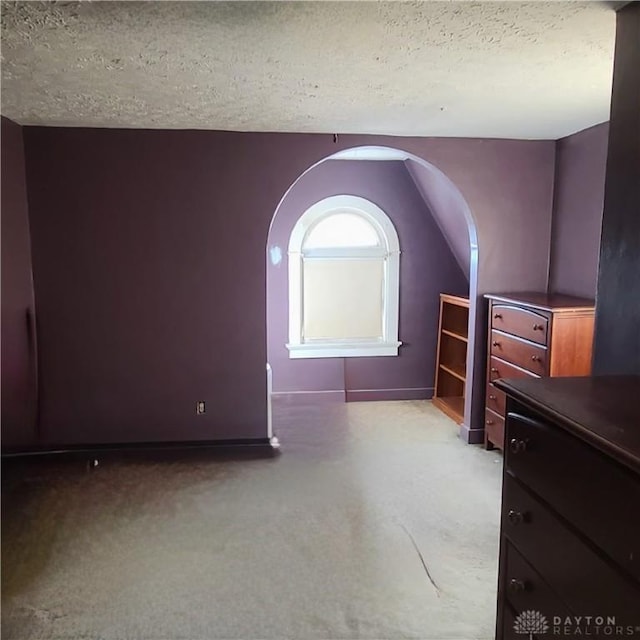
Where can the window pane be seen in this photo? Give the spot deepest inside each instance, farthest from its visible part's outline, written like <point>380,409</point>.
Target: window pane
<point>342,299</point>
<point>342,230</point>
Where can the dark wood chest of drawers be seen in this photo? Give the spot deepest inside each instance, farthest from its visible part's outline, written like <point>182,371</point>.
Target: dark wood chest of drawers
<point>533,335</point>
<point>570,527</point>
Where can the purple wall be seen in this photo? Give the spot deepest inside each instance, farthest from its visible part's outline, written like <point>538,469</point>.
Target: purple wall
<point>427,267</point>
<point>577,217</point>
<point>150,269</point>
<point>445,212</point>
<point>18,371</point>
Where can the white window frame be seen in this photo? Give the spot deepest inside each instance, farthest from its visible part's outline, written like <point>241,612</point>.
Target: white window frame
<point>389,251</point>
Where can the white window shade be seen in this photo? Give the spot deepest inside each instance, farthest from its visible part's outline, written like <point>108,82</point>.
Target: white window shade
<point>343,299</point>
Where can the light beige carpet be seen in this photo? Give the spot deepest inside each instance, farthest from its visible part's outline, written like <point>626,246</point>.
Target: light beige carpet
<point>328,540</point>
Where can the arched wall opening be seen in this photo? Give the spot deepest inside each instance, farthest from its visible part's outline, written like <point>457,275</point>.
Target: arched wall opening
<point>449,216</point>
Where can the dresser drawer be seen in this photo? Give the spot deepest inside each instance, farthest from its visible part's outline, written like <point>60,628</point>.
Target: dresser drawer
<point>501,369</point>
<point>494,426</point>
<point>585,582</point>
<point>496,400</point>
<point>525,354</point>
<point>520,322</point>
<point>525,589</point>
<point>599,496</point>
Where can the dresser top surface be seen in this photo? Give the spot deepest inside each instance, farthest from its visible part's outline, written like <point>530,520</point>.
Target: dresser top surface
<point>601,410</point>
<point>545,301</point>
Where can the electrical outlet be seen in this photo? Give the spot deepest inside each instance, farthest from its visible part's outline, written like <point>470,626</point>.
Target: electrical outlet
<point>200,407</point>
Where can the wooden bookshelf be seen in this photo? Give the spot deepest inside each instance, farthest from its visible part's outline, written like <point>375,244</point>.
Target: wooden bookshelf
<point>451,358</point>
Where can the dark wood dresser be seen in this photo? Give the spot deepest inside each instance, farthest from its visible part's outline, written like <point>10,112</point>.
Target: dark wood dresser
<point>570,527</point>
<point>533,335</point>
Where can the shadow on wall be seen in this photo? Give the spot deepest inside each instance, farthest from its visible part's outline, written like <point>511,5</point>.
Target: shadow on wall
<point>439,253</point>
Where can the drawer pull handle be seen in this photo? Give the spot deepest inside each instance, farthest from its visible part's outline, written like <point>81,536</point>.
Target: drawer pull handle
<point>494,370</point>
<point>517,446</point>
<point>492,397</point>
<point>515,517</point>
<point>517,586</point>
<point>536,358</point>
<point>538,327</point>
<point>497,316</point>
<point>489,422</point>
<point>495,343</point>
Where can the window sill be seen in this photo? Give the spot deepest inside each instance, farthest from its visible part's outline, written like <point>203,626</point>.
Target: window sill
<point>343,350</point>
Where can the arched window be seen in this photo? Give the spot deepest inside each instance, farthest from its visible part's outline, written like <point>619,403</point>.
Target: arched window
<point>344,268</point>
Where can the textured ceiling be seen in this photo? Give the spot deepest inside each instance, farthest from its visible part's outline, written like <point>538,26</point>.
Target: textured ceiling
<point>481,69</point>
